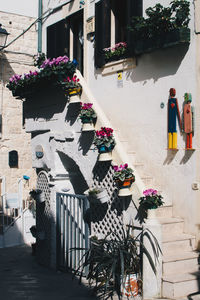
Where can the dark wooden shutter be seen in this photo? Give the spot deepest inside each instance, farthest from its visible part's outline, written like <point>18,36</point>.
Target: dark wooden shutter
<point>58,39</point>
<point>102,30</point>
<point>134,8</point>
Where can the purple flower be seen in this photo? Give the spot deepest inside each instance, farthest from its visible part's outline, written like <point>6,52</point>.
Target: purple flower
<point>150,192</point>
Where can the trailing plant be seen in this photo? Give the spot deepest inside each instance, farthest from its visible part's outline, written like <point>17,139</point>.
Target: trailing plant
<point>123,172</point>
<point>118,255</point>
<point>161,20</point>
<point>118,50</point>
<point>87,113</point>
<point>150,200</point>
<point>52,71</point>
<point>104,137</point>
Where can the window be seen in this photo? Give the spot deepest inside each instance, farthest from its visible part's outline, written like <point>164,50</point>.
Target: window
<point>66,38</point>
<point>112,18</point>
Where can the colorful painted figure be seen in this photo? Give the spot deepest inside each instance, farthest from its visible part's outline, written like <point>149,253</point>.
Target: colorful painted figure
<point>188,120</point>
<point>173,113</point>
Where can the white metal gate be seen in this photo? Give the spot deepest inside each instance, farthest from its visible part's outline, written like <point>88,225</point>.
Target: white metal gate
<point>72,229</point>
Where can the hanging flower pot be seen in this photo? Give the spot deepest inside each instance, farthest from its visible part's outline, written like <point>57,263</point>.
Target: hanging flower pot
<point>124,178</point>
<point>105,143</point>
<point>74,95</point>
<point>87,116</point>
<point>98,195</point>
<point>125,186</point>
<point>129,287</point>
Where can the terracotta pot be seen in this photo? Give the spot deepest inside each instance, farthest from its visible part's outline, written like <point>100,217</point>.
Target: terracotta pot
<point>130,286</point>
<point>126,183</point>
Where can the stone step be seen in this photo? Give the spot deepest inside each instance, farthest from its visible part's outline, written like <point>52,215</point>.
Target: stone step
<point>180,285</point>
<point>148,180</point>
<point>171,225</point>
<point>139,167</point>
<point>164,211</point>
<point>182,262</point>
<point>172,244</point>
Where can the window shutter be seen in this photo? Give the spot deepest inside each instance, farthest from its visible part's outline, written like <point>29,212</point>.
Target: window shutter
<point>102,30</point>
<point>58,39</point>
<point>134,8</point>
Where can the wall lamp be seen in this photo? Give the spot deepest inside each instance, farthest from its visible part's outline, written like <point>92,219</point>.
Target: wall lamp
<point>3,37</point>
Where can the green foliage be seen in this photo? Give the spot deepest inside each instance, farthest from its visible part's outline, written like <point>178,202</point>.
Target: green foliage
<point>161,20</point>
<point>110,260</point>
<point>123,172</point>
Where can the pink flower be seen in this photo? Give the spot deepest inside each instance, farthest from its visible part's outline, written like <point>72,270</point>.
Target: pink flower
<point>116,169</point>
<point>150,192</point>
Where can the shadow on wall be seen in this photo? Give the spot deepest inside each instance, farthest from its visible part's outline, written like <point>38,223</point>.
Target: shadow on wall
<point>158,64</point>
<point>6,71</point>
<point>76,177</point>
<point>44,103</point>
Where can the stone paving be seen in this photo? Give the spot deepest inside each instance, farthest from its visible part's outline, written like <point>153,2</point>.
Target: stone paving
<point>22,278</point>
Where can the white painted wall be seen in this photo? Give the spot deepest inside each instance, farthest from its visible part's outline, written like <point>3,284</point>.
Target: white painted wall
<point>134,109</point>
<point>21,7</point>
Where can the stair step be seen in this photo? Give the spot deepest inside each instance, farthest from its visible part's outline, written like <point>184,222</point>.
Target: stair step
<point>183,262</point>
<point>164,211</point>
<point>180,285</point>
<point>175,225</point>
<point>174,243</point>
<point>148,180</point>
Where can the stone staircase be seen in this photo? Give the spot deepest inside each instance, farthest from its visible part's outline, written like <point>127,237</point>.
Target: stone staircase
<point>180,269</point>
<point>179,262</point>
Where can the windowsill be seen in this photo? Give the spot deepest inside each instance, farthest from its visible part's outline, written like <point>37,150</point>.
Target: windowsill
<point>119,65</point>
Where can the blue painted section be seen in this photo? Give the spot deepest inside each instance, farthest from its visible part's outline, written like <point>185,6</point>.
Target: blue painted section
<point>172,114</point>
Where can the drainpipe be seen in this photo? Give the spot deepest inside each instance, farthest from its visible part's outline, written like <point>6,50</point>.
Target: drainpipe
<point>40,26</point>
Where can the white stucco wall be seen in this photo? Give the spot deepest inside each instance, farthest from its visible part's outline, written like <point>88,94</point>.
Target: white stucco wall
<point>134,110</point>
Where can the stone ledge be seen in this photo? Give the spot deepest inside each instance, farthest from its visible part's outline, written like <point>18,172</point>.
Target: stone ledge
<point>119,65</point>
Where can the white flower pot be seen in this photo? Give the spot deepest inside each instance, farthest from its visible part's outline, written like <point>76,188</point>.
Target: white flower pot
<point>88,127</point>
<point>105,156</point>
<point>74,99</point>
<point>125,192</point>
<point>102,196</point>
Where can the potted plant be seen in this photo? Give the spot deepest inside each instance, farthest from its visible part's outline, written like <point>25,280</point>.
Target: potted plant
<point>123,175</point>
<point>38,195</point>
<point>72,88</point>
<point>105,143</point>
<point>87,116</point>
<point>115,263</point>
<point>150,200</point>
<point>49,73</point>
<point>163,27</point>
<point>118,51</point>
<point>97,195</point>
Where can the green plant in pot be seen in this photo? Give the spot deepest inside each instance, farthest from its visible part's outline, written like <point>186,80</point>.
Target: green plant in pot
<point>163,27</point>
<point>105,143</point>
<point>87,116</point>
<point>150,200</point>
<point>98,195</point>
<point>112,260</point>
<point>72,88</point>
<point>124,177</point>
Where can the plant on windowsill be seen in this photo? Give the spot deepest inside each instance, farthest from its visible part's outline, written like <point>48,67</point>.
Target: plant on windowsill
<point>87,116</point>
<point>150,200</point>
<point>105,143</point>
<point>123,175</point>
<point>116,52</point>
<point>50,73</point>
<point>115,262</point>
<point>163,27</point>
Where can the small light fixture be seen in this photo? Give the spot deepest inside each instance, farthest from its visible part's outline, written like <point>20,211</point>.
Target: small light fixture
<point>3,37</point>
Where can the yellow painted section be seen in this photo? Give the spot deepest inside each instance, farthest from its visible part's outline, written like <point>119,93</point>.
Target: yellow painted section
<point>174,140</point>
<point>170,140</point>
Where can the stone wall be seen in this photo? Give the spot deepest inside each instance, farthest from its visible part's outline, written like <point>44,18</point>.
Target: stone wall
<point>16,58</point>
